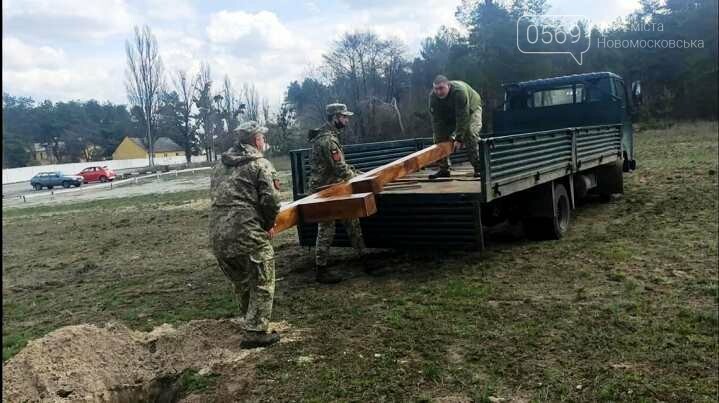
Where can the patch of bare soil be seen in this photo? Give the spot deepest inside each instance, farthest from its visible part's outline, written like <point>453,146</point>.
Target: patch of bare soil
<point>86,363</point>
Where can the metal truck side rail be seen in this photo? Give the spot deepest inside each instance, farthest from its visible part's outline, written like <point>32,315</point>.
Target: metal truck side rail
<point>520,161</point>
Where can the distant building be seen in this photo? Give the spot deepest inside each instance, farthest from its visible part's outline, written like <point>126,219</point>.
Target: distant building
<point>42,153</point>
<point>134,148</point>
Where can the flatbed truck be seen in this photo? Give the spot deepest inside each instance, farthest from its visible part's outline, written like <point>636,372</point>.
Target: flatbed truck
<point>554,142</point>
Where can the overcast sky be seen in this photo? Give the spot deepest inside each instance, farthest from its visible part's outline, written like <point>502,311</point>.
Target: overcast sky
<point>74,49</point>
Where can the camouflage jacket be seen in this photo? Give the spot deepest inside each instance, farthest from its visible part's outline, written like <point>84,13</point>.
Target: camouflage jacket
<point>451,115</point>
<point>244,203</point>
<point>327,160</point>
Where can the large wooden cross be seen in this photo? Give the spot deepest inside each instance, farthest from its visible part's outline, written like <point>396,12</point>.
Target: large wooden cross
<point>355,198</point>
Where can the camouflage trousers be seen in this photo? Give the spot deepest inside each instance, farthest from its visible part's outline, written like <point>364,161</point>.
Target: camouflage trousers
<point>253,278</point>
<point>326,235</point>
<point>470,142</point>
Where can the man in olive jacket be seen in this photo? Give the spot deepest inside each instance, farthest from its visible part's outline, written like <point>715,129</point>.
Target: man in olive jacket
<point>456,111</point>
<point>244,204</point>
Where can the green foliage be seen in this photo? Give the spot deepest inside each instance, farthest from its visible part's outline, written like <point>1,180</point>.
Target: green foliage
<point>68,129</point>
<point>15,151</point>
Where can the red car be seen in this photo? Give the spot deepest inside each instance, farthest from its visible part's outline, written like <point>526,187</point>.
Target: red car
<point>93,174</point>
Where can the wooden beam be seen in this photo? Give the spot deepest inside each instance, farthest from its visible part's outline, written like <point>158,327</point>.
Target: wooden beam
<point>339,207</point>
<point>369,182</point>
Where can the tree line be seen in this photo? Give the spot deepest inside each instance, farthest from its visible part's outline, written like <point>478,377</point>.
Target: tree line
<point>388,91</point>
<point>378,81</point>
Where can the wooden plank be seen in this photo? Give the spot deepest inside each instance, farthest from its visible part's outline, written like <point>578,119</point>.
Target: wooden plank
<point>289,215</point>
<point>339,207</point>
<point>368,182</point>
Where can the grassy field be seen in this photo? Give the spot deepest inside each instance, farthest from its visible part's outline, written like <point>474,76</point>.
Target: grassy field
<point>623,309</point>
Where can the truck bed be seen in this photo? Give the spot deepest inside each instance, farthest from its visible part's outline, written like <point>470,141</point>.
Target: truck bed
<point>461,182</point>
<point>414,211</point>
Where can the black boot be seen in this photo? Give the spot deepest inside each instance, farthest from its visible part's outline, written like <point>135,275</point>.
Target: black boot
<point>325,276</point>
<point>259,339</point>
<point>439,174</point>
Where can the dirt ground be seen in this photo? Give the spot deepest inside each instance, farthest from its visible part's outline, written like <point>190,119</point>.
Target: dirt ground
<point>121,300</point>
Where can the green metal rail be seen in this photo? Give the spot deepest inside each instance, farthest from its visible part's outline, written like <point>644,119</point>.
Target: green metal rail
<point>520,161</point>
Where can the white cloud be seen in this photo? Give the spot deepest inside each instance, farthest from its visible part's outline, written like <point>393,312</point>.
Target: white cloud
<point>169,10</point>
<point>408,20</point>
<point>17,54</point>
<point>258,48</point>
<point>312,7</point>
<point>68,19</point>
<point>89,79</point>
<point>180,50</point>
<point>251,32</point>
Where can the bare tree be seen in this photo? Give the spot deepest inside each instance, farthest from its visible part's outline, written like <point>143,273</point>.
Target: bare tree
<point>365,70</point>
<point>265,105</point>
<point>186,88</point>
<point>144,79</point>
<point>232,106</point>
<point>251,99</point>
<point>205,115</point>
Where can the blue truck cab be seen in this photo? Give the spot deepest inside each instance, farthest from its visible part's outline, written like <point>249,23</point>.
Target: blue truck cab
<point>590,99</point>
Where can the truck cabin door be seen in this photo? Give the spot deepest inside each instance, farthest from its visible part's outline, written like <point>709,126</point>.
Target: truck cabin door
<point>620,92</point>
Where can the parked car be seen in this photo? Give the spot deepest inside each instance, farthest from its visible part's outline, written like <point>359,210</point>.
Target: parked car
<point>52,179</point>
<point>94,174</point>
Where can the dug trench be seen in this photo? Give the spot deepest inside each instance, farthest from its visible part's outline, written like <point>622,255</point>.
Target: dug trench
<point>115,364</point>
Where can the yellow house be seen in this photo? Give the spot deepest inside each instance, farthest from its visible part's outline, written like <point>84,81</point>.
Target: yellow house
<point>134,148</point>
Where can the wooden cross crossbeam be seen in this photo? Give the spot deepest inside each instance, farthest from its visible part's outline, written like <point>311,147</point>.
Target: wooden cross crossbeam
<point>355,198</point>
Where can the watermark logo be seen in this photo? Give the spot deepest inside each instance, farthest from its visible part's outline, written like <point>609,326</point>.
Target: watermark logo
<point>554,34</point>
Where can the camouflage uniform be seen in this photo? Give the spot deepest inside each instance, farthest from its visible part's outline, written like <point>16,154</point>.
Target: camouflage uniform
<point>328,166</point>
<point>244,205</point>
<point>457,116</point>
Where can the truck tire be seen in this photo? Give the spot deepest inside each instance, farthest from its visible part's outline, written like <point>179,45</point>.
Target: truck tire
<point>37,186</point>
<point>546,228</point>
<point>610,180</point>
<point>66,184</point>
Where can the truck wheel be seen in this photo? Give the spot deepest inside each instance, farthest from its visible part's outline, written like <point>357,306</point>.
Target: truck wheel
<point>103,179</point>
<point>543,228</point>
<point>66,184</point>
<point>37,186</point>
<point>610,180</point>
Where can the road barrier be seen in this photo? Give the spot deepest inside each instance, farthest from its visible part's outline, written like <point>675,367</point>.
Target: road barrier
<point>109,185</point>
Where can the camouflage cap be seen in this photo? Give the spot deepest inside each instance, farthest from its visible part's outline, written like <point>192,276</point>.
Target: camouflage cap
<point>333,109</point>
<point>246,130</point>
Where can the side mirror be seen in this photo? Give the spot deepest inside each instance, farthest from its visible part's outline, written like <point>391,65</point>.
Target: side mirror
<point>636,93</point>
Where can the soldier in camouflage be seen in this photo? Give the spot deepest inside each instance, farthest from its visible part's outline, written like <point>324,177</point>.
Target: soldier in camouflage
<point>456,111</point>
<point>244,204</point>
<point>328,166</point>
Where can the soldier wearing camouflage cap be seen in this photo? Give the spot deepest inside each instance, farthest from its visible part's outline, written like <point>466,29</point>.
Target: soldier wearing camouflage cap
<point>328,166</point>
<point>244,204</point>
